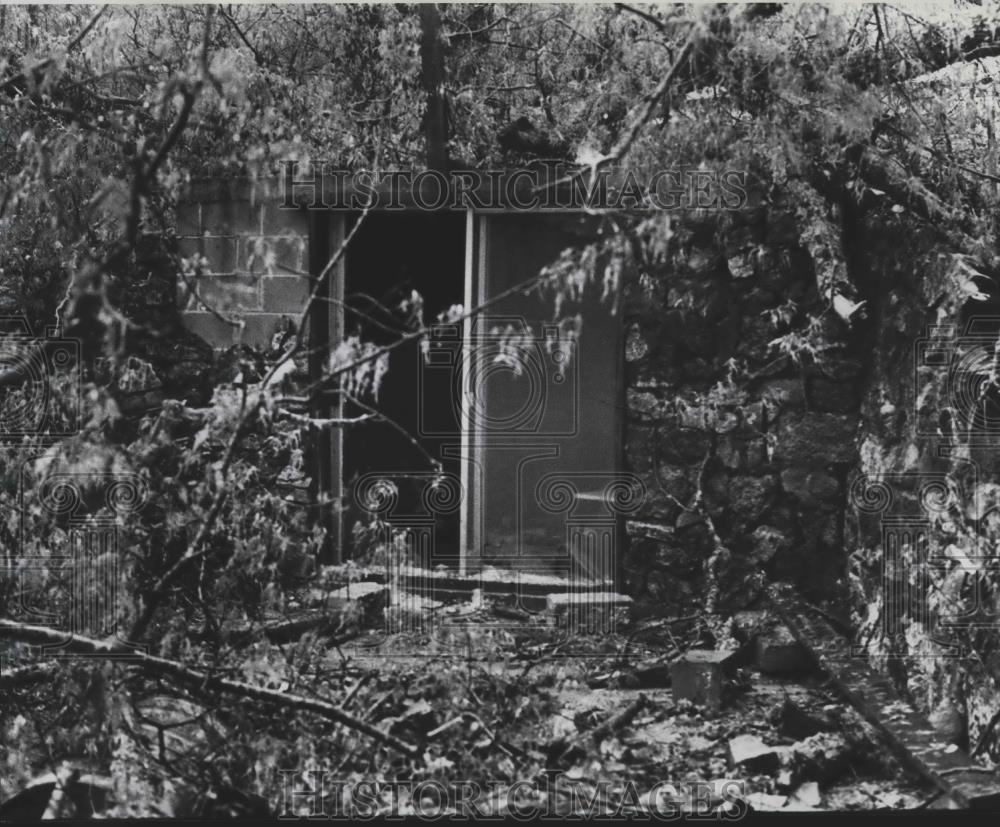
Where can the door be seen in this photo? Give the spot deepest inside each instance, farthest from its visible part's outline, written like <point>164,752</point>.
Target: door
<point>523,417</point>
<point>541,404</point>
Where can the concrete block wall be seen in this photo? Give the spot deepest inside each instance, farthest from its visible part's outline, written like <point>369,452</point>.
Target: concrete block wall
<point>255,258</point>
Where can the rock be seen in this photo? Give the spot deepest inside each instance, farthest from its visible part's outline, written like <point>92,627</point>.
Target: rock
<point>836,397</point>
<point>748,623</point>
<point>738,454</point>
<point>810,486</point>
<point>806,797</point>
<point>837,369</point>
<point>764,803</point>
<point>767,543</point>
<point>778,394</point>
<point>823,757</point>
<point>643,405</point>
<point>741,265</point>
<point>750,497</point>
<point>697,676</point>
<point>795,722</point>
<point>815,438</point>
<point>751,753</point>
<point>779,653</point>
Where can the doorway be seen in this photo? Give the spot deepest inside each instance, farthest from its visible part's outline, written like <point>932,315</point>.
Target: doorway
<point>393,259</point>
<point>528,435</point>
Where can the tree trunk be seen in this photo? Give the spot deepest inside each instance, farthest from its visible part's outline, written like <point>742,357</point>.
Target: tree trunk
<point>432,79</point>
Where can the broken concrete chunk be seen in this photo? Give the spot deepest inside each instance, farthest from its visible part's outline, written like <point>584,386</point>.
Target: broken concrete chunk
<point>806,797</point>
<point>751,753</point>
<point>822,757</point>
<point>778,652</point>
<point>591,612</point>
<point>764,803</point>
<point>697,676</point>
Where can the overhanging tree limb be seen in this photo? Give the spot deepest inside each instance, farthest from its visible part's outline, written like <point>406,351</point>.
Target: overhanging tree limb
<point>193,678</point>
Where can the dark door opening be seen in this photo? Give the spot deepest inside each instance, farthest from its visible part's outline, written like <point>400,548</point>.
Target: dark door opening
<point>393,257</point>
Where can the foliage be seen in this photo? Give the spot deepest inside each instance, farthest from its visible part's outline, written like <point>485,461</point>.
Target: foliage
<point>844,114</point>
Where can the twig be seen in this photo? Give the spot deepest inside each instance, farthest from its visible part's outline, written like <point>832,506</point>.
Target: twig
<point>367,676</point>
<point>652,98</point>
<point>644,15</point>
<point>236,27</point>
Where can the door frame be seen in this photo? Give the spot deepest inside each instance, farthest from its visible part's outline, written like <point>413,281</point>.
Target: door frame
<point>327,232</point>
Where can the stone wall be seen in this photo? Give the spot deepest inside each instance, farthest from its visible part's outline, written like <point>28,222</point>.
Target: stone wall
<point>255,258</point>
<point>737,441</point>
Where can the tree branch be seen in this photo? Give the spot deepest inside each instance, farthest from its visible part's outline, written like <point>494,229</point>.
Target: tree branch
<point>192,678</point>
<point>644,15</point>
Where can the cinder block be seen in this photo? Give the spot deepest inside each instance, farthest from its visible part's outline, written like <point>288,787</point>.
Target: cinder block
<point>231,218</point>
<point>219,251</point>
<point>697,676</point>
<point>278,255</point>
<point>285,294</point>
<point>189,219</point>
<point>281,221</point>
<point>778,652</point>
<point>225,294</point>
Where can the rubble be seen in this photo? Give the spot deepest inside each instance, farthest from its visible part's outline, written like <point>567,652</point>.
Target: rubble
<point>751,753</point>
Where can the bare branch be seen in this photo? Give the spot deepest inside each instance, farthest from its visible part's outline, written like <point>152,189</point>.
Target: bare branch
<point>644,15</point>
<point>192,678</point>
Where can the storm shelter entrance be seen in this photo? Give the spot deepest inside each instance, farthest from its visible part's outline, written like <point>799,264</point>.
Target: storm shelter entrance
<point>522,412</point>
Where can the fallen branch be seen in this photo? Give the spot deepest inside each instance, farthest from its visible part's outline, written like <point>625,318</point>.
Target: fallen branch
<point>193,678</point>
<point>609,727</point>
